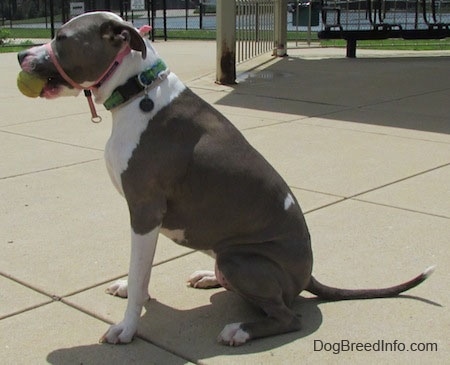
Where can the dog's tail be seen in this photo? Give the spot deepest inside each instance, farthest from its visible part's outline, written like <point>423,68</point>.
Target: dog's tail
<point>329,293</point>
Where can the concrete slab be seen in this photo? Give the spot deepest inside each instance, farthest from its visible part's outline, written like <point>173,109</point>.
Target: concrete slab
<point>187,321</point>
<point>189,60</point>
<point>16,298</point>
<point>334,128</point>
<point>75,130</point>
<point>343,162</point>
<point>408,124</point>
<point>429,102</point>
<point>57,334</point>
<point>423,193</point>
<point>311,200</point>
<point>9,68</point>
<point>19,155</point>
<point>257,106</point>
<point>60,222</point>
<point>343,82</point>
<point>362,244</point>
<point>13,111</point>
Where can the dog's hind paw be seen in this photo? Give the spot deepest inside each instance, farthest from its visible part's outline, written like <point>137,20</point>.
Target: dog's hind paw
<point>203,279</point>
<point>119,288</point>
<point>233,335</point>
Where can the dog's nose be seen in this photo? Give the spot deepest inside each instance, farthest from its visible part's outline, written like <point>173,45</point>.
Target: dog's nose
<point>22,55</point>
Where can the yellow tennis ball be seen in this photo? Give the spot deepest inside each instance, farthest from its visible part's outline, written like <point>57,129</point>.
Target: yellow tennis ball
<point>29,84</point>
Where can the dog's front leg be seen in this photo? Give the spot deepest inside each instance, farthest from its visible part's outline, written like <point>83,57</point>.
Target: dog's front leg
<point>142,253</point>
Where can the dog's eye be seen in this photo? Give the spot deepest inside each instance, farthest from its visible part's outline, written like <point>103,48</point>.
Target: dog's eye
<point>61,37</point>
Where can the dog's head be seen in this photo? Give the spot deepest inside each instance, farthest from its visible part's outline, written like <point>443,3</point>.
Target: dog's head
<point>84,49</point>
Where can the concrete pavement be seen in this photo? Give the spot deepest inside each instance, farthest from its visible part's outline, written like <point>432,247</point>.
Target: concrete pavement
<point>365,145</point>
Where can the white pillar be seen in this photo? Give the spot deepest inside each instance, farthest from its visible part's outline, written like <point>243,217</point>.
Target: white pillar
<point>226,42</point>
<point>280,28</point>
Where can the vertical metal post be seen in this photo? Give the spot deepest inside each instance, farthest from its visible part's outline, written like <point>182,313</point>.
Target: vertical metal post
<point>226,42</point>
<point>165,19</point>
<point>52,19</point>
<point>10,13</point>
<point>148,15</point>
<point>186,12</point>
<point>280,28</point>
<point>200,7</point>
<point>309,22</point>
<point>153,6</point>
<point>45,12</point>
<point>297,19</point>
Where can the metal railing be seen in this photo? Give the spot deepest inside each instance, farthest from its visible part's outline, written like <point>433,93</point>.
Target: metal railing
<point>382,14</point>
<point>254,28</point>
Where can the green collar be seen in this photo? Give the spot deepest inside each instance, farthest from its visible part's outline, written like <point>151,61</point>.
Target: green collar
<point>137,84</point>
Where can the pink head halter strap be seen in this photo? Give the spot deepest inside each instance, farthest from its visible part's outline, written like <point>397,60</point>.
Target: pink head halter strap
<point>96,84</point>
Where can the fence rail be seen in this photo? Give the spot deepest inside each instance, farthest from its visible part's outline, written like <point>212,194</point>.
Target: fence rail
<point>254,28</point>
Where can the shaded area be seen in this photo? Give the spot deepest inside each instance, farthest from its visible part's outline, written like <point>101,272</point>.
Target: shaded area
<point>191,334</point>
<point>407,93</point>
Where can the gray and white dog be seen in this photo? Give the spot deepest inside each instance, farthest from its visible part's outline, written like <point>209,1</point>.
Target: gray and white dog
<point>188,173</point>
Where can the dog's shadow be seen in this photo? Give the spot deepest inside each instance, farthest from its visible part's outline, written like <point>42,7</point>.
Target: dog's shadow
<point>192,333</point>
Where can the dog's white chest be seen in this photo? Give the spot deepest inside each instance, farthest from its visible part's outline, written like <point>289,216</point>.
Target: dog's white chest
<point>120,146</point>
<point>129,122</point>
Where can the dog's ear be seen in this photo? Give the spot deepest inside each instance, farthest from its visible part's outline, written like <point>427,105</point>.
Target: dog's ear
<point>120,32</point>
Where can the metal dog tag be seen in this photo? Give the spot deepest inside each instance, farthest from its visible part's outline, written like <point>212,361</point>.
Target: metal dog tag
<point>146,104</point>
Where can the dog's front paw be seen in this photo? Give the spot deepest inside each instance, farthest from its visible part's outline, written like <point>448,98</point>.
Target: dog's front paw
<point>233,335</point>
<point>119,333</point>
<point>203,279</point>
<point>119,289</point>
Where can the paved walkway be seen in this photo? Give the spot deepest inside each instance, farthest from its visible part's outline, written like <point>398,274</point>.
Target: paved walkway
<point>365,145</point>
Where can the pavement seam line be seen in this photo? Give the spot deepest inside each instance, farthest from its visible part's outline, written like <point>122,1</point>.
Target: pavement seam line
<point>405,97</point>
<point>44,119</point>
<point>352,197</point>
<point>402,208</point>
<point>110,322</point>
<point>51,298</point>
<point>302,121</point>
<point>51,141</point>
<point>122,276</point>
<point>50,169</point>
<point>9,315</point>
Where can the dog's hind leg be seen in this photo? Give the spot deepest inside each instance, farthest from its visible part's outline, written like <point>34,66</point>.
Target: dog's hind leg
<point>266,285</point>
<point>118,289</point>
<point>204,279</point>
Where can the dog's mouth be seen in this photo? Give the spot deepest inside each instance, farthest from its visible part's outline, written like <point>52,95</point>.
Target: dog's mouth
<point>52,87</point>
<point>33,84</point>
<point>39,77</point>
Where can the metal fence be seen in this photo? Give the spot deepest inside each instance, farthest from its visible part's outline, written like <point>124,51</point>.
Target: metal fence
<point>163,15</point>
<point>254,28</point>
<point>400,14</point>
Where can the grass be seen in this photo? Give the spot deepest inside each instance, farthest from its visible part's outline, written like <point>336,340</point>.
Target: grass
<point>14,49</point>
<point>198,34</point>
<point>194,34</point>
<point>395,44</point>
<point>28,33</point>
<point>57,18</point>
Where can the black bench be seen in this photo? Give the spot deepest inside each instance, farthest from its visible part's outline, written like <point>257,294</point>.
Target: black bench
<point>355,20</point>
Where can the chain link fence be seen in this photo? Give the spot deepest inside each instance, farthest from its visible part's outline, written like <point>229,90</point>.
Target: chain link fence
<point>400,14</point>
<point>31,19</point>
<point>37,20</point>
